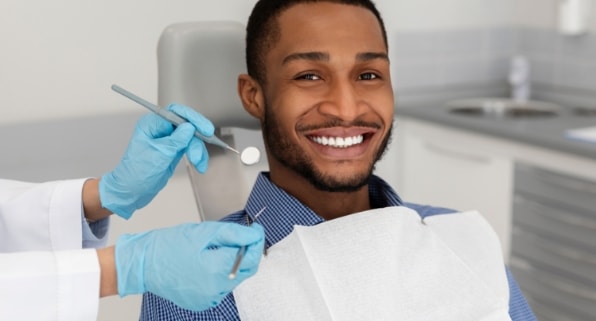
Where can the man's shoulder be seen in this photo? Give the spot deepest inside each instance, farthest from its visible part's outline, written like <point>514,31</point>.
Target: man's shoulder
<point>236,217</point>
<point>429,210</point>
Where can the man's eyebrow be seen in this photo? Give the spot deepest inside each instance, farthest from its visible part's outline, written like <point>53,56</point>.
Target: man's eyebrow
<point>322,56</point>
<point>313,56</point>
<point>367,56</point>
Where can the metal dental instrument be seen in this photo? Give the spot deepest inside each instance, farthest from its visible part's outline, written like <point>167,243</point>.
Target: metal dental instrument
<point>242,251</point>
<point>250,156</point>
<point>171,117</point>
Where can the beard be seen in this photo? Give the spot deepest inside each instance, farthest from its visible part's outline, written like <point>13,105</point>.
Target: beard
<point>292,156</point>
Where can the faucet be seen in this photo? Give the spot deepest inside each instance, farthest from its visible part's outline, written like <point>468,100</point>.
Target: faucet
<point>519,78</point>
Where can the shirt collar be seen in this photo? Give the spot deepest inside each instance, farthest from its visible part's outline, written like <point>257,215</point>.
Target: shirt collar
<point>283,211</point>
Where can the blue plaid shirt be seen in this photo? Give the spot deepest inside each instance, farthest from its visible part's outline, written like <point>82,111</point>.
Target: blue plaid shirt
<point>283,212</point>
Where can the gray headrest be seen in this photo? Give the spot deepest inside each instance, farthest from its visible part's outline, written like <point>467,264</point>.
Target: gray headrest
<point>199,64</point>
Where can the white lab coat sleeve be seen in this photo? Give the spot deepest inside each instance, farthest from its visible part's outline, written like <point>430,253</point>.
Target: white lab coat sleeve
<point>95,234</point>
<point>41,216</point>
<point>49,286</point>
<point>44,272</point>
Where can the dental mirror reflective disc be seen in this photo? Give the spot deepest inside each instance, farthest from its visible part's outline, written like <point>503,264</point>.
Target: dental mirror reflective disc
<point>250,156</point>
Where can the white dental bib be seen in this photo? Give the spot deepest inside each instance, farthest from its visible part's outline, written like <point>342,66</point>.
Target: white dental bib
<point>383,264</point>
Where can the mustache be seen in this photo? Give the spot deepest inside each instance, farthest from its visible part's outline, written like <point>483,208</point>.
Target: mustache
<point>338,123</point>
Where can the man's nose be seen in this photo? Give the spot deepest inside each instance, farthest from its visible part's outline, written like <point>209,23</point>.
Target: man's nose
<point>342,101</point>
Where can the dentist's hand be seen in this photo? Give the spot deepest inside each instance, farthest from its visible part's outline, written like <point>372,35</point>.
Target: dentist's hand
<point>153,152</point>
<point>187,264</point>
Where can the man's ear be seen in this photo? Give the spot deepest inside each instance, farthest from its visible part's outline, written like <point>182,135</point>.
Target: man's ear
<point>251,95</point>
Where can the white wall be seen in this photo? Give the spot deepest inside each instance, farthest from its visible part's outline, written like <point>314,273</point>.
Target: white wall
<point>60,57</point>
<point>543,13</point>
<point>428,15</point>
<point>537,13</point>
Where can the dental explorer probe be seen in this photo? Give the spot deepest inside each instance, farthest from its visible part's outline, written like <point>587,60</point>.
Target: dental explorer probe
<point>242,250</point>
<point>173,118</point>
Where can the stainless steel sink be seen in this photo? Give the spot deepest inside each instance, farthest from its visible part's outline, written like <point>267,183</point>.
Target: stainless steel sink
<point>503,108</point>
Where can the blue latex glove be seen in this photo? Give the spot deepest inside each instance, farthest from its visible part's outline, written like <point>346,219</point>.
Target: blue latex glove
<point>153,152</point>
<point>181,264</point>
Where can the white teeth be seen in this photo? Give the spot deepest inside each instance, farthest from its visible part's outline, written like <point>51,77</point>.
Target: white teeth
<point>338,142</point>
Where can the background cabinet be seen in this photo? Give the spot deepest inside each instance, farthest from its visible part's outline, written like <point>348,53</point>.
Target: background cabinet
<point>554,243</point>
<point>448,168</point>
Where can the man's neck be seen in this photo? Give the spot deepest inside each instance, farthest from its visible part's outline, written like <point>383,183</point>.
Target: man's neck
<point>328,205</point>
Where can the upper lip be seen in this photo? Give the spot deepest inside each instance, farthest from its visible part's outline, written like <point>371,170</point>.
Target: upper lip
<point>341,131</point>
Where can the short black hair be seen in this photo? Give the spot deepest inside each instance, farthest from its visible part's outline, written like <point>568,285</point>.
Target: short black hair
<point>262,29</point>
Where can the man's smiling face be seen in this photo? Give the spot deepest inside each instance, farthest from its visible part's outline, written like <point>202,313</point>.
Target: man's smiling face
<point>328,108</point>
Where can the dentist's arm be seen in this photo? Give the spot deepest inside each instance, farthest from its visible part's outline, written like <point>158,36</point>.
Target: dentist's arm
<point>108,279</point>
<point>91,201</point>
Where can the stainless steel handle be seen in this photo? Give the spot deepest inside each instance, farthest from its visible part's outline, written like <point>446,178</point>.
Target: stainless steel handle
<point>457,154</point>
<point>552,282</point>
<point>556,249</point>
<point>575,184</point>
<point>574,220</point>
<point>566,287</point>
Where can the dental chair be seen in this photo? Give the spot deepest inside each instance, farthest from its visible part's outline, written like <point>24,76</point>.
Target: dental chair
<point>198,66</point>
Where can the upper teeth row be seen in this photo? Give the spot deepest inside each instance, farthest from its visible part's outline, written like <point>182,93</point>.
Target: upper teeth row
<point>339,142</point>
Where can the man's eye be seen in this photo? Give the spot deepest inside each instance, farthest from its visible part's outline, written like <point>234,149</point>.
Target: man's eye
<point>308,77</point>
<point>368,76</point>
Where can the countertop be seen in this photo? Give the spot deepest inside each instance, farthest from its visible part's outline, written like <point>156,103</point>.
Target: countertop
<point>547,132</point>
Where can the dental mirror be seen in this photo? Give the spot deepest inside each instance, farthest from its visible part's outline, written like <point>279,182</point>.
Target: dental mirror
<point>250,156</point>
